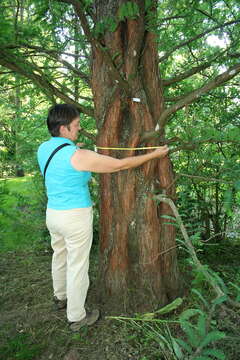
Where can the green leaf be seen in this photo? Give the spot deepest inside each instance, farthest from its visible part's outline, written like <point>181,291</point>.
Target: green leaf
<point>214,352</point>
<point>100,28</point>
<point>177,350</point>
<point>192,335</point>
<point>237,185</point>
<point>238,290</point>
<point>201,325</point>
<point>148,4</point>
<point>168,217</point>
<point>228,199</point>
<point>148,315</point>
<point>170,223</point>
<point>106,24</point>
<point>211,337</point>
<point>220,300</point>
<point>111,24</point>
<point>87,3</point>
<point>170,307</point>
<point>187,314</point>
<point>128,10</point>
<point>195,291</point>
<point>219,280</point>
<point>42,12</point>
<point>163,342</point>
<point>184,345</point>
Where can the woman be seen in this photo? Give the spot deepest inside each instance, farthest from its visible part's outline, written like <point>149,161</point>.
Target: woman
<point>69,209</point>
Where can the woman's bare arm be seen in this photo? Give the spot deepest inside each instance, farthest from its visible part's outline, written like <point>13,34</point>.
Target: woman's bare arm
<point>86,160</point>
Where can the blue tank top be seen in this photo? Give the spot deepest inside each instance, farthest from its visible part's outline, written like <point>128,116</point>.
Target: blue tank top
<point>67,188</point>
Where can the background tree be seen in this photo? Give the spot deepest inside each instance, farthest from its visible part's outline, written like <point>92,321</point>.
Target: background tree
<point>145,63</point>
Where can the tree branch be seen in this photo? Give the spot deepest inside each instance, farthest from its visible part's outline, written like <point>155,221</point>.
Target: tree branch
<point>173,18</point>
<point>184,145</point>
<point>16,86</point>
<point>55,55</point>
<point>34,73</point>
<point>205,178</point>
<point>205,13</point>
<point>217,81</point>
<point>88,135</point>
<point>66,90</point>
<point>192,71</point>
<point>184,43</point>
<point>191,146</point>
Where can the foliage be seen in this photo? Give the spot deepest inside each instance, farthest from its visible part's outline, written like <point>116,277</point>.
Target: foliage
<point>128,10</point>
<point>199,333</point>
<point>22,214</point>
<point>21,348</point>
<point>199,326</point>
<point>208,177</point>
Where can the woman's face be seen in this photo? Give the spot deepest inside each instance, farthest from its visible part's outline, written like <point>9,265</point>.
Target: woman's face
<point>71,131</point>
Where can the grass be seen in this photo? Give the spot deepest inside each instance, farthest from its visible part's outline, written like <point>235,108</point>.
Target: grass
<point>20,185</point>
<point>21,214</point>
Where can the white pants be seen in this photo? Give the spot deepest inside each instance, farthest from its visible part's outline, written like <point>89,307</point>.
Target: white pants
<point>71,240</point>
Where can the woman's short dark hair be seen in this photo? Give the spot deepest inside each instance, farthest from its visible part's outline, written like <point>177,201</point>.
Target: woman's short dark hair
<point>60,114</point>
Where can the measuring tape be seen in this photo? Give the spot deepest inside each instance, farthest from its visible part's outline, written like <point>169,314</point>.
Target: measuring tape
<point>137,148</point>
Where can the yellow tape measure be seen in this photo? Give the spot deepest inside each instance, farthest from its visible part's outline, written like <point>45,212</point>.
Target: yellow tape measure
<point>137,148</point>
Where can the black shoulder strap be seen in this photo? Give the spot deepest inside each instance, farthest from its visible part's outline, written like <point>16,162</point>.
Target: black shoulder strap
<point>51,156</point>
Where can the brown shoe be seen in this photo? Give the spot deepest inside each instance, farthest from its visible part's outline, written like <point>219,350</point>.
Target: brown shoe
<point>60,304</point>
<point>89,319</point>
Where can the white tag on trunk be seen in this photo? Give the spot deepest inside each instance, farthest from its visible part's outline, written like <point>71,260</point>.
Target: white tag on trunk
<point>136,99</point>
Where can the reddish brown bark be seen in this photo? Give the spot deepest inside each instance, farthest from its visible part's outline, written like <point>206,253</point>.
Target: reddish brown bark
<point>132,234</point>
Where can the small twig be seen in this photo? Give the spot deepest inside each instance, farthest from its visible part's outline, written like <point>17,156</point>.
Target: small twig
<point>141,319</point>
<point>161,253</point>
<point>205,178</point>
<point>215,235</point>
<point>189,244</point>
<point>173,182</point>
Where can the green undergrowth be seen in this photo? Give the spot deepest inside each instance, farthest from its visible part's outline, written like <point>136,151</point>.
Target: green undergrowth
<point>21,214</point>
<point>198,326</point>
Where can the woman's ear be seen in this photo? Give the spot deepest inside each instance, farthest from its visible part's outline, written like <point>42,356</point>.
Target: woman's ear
<point>62,130</point>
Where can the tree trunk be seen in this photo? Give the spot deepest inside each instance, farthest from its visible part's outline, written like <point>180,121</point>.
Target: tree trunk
<point>138,254</point>
<point>18,169</point>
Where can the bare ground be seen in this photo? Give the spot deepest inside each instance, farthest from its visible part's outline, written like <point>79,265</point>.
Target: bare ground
<point>30,327</point>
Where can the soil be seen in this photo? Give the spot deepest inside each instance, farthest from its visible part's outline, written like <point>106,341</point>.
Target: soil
<point>31,328</point>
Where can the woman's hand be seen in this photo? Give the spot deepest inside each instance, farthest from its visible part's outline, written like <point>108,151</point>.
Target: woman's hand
<point>161,152</point>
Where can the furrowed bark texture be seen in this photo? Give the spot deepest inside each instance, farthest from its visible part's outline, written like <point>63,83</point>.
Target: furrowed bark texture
<point>133,274</point>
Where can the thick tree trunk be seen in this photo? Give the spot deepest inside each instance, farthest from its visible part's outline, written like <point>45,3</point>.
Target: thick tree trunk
<point>138,255</point>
